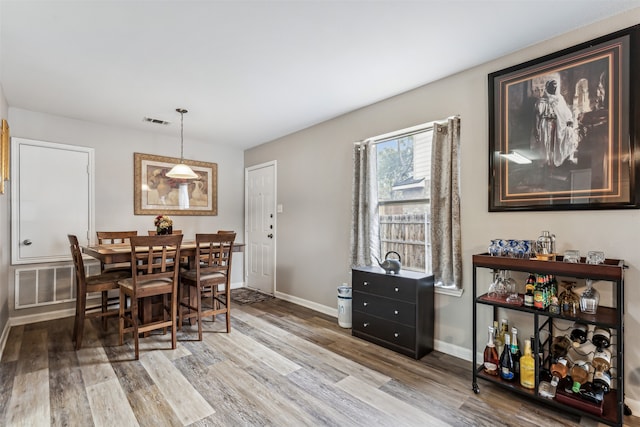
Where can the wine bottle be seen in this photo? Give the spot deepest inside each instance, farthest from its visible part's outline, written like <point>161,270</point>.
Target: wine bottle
<point>515,351</point>
<point>538,294</point>
<point>602,381</point>
<point>601,360</point>
<point>579,374</point>
<point>559,370</point>
<point>498,341</point>
<point>579,334</point>
<point>506,361</point>
<point>491,361</point>
<point>601,337</point>
<point>527,367</point>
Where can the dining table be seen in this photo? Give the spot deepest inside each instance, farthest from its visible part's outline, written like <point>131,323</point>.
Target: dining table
<point>114,253</point>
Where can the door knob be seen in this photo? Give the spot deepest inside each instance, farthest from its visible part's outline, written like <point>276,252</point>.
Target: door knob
<point>27,242</point>
<point>270,235</point>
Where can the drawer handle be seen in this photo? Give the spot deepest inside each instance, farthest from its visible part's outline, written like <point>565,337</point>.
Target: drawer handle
<point>365,324</point>
<point>365,283</point>
<point>397,290</point>
<point>396,312</point>
<point>365,304</point>
<point>395,334</point>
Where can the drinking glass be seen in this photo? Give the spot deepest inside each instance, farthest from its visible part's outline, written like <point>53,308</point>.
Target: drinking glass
<point>595,257</point>
<point>571,256</point>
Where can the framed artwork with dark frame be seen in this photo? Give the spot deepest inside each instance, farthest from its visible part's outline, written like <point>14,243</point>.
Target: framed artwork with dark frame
<point>155,193</point>
<point>564,128</point>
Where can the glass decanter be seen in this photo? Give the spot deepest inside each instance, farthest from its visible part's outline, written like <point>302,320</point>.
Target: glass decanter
<point>498,288</point>
<point>589,299</point>
<point>569,301</point>
<point>511,287</point>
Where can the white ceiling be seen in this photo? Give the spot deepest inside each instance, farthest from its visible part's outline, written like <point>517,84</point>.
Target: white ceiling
<point>252,71</point>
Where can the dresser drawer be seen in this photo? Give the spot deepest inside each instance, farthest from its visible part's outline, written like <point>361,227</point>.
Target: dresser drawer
<point>385,330</point>
<point>385,308</point>
<point>386,285</point>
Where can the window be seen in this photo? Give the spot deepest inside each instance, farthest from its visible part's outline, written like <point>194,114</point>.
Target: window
<point>393,209</point>
<point>403,173</point>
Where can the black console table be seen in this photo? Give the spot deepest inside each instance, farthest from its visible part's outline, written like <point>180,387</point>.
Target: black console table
<point>395,311</point>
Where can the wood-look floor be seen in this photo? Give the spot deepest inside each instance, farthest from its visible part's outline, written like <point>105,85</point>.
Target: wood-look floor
<point>281,365</point>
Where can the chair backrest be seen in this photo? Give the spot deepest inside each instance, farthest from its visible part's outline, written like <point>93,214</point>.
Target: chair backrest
<point>78,263</point>
<point>108,237</point>
<point>155,233</point>
<point>226,232</point>
<point>155,258</point>
<point>214,253</point>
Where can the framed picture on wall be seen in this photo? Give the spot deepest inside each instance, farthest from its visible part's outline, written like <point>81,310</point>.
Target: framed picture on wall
<point>563,129</point>
<point>155,193</point>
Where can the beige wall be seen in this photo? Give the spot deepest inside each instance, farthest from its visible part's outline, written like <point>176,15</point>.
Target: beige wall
<point>314,187</point>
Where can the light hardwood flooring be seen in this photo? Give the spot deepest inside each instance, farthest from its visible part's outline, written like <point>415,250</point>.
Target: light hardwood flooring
<point>281,365</point>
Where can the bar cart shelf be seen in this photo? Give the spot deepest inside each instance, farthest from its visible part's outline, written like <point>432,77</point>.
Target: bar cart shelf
<point>612,410</point>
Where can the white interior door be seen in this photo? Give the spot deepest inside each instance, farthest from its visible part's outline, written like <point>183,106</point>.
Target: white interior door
<point>260,219</point>
<point>53,197</point>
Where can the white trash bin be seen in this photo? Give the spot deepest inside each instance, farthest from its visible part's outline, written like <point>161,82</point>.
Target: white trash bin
<point>344,306</point>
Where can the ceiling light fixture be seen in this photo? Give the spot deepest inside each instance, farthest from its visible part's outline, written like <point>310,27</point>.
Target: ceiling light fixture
<point>181,171</point>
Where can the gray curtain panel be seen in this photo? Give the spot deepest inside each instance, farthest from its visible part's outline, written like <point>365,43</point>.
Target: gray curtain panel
<point>365,237</point>
<point>446,253</point>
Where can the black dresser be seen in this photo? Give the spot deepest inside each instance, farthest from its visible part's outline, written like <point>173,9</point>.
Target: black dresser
<point>394,310</point>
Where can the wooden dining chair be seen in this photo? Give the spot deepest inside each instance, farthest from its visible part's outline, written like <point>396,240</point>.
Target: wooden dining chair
<point>155,271</point>
<point>200,294</point>
<point>86,285</point>
<point>114,237</point>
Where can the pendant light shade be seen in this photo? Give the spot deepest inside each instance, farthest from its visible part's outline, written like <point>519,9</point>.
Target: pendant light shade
<point>181,171</point>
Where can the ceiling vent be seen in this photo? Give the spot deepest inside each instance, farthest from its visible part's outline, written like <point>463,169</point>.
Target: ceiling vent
<point>155,121</point>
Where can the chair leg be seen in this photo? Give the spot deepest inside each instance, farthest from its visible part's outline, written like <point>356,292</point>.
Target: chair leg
<point>134,324</point>
<point>199,310</point>
<point>227,296</point>
<point>105,300</point>
<point>174,310</point>
<point>121,314</point>
<point>81,307</point>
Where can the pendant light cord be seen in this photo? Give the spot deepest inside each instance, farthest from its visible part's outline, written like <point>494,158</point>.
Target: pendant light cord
<point>181,111</point>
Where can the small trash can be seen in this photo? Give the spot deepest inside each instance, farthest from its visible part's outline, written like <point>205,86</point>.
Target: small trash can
<point>344,306</point>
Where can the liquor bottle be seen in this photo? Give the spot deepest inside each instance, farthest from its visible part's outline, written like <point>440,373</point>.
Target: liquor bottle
<point>559,370</point>
<point>601,337</point>
<point>515,351</point>
<point>527,367</point>
<point>579,374</point>
<point>579,334</point>
<point>528,294</point>
<point>491,360</point>
<point>506,361</point>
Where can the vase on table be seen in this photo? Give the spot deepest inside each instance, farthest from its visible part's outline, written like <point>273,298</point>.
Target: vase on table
<point>164,230</point>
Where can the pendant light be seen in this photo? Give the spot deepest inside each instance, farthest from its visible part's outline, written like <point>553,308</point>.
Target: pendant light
<point>181,171</point>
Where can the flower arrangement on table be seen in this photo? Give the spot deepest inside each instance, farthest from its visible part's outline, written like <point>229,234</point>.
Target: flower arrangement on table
<point>164,224</point>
